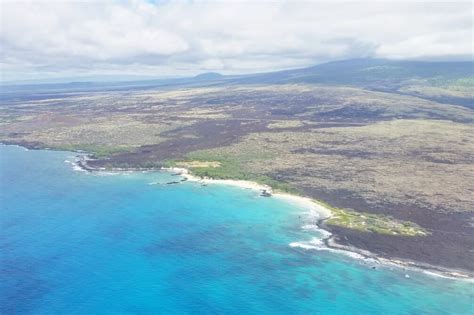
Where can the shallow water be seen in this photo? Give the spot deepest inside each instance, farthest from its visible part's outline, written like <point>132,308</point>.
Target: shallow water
<point>78,243</point>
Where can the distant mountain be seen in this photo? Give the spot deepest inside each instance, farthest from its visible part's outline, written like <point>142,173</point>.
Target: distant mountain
<point>358,72</point>
<point>209,76</point>
<point>448,82</point>
<point>444,82</point>
<point>367,72</point>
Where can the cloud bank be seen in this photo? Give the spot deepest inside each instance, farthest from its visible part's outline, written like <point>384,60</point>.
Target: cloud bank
<point>174,38</point>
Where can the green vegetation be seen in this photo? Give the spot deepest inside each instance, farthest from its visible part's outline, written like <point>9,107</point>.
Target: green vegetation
<point>467,82</point>
<point>11,118</point>
<point>99,151</point>
<point>464,85</point>
<point>370,133</point>
<point>231,168</point>
<point>368,222</point>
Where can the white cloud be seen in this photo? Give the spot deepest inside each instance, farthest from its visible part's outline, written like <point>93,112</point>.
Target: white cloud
<point>40,38</point>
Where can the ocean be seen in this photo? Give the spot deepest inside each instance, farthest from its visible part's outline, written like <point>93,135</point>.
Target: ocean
<point>73,242</point>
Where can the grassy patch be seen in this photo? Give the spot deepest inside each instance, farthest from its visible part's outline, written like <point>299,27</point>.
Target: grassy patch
<point>204,165</point>
<point>367,222</point>
<point>223,167</point>
<point>198,164</point>
<point>282,124</point>
<point>97,150</point>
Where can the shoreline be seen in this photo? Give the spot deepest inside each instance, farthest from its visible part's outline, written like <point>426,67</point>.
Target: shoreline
<point>406,265</point>
<point>314,206</point>
<point>317,209</point>
<point>322,213</point>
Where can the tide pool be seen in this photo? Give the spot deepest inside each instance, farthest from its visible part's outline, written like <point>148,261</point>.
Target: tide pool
<point>73,242</point>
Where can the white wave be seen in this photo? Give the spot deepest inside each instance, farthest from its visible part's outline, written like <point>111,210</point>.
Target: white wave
<point>77,168</point>
<point>313,244</point>
<point>318,244</point>
<point>310,227</point>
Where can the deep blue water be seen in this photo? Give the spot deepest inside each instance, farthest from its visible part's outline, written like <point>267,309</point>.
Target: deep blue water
<point>78,243</point>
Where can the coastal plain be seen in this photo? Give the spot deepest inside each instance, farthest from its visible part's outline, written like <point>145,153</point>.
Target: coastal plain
<point>395,163</point>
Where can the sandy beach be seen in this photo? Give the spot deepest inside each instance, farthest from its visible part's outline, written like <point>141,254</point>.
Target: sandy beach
<point>321,213</point>
<point>314,207</point>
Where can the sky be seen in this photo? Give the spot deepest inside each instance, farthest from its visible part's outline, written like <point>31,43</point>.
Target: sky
<point>68,39</point>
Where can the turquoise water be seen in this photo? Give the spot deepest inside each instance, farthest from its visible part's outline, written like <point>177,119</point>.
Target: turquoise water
<point>77,243</point>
